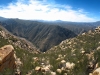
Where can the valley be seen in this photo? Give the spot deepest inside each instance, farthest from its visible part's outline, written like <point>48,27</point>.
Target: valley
<point>45,35</point>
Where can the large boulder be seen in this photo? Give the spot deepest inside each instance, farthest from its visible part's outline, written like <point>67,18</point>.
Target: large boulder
<point>96,72</point>
<point>7,59</point>
<point>37,68</point>
<point>70,65</point>
<point>59,71</point>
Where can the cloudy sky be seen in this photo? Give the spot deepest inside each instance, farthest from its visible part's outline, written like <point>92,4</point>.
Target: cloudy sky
<point>66,10</point>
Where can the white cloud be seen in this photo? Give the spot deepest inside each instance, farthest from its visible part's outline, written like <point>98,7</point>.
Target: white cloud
<point>42,10</point>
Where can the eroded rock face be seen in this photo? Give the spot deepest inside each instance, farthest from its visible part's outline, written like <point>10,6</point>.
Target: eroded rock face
<point>7,59</point>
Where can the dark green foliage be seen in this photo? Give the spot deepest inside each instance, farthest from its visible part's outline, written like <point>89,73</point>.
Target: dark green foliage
<point>3,41</point>
<point>0,29</point>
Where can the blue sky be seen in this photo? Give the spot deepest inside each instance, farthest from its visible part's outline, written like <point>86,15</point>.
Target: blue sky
<point>66,10</point>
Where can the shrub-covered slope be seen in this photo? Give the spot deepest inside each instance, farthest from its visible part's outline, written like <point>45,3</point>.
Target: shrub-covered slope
<point>83,51</point>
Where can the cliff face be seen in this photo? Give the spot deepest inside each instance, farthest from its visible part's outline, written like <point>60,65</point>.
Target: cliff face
<point>7,59</point>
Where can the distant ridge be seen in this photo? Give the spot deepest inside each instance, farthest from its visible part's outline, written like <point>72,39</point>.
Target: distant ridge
<point>3,19</point>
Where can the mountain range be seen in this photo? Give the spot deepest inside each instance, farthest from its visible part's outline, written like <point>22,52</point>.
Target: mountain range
<point>46,34</point>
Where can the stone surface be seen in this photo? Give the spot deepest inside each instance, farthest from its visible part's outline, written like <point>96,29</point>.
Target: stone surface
<point>70,65</point>
<point>7,59</point>
<point>97,71</point>
<point>59,71</point>
<point>37,68</point>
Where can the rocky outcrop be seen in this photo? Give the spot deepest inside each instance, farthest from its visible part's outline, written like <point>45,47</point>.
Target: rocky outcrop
<point>18,64</point>
<point>7,59</point>
<point>97,30</point>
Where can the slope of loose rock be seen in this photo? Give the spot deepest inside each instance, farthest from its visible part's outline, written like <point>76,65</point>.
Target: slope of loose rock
<point>83,51</point>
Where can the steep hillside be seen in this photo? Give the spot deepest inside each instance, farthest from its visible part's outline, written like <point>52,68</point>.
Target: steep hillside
<point>83,51</point>
<point>43,36</point>
<point>17,41</point>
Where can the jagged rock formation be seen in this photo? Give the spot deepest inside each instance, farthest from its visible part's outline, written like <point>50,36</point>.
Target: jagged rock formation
<point>7,59</point>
